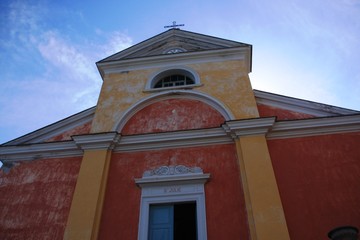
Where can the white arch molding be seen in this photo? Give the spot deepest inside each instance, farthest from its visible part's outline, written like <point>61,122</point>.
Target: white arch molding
<point>173,94</point>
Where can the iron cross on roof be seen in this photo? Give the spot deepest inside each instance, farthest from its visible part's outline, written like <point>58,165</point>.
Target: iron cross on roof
<point>174,25</point>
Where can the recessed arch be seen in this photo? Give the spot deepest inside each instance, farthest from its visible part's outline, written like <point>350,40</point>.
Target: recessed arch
<point>173,94</point>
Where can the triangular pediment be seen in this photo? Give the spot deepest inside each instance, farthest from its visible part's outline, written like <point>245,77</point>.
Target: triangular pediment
<point>174,41</point>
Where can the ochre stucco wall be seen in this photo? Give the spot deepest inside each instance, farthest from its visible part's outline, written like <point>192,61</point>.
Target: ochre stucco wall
<point>173,115</point>
<point>219,80</point>
<point>35,198</point>
<point>318,179</point>
<point>225,207</point>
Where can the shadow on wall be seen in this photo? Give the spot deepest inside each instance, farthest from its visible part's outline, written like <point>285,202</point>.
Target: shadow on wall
<point>6,166</point>
<point>344,233</point>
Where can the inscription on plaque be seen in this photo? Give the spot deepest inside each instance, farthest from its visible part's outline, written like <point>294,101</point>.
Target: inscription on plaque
<point>172,189</point>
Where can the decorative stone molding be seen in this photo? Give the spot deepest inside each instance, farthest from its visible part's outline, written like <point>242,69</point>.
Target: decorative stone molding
<point>246,127</point>
<point>187,138</point>
<point>172,174</point>
<point>172,170</point>
<point>97,141</point>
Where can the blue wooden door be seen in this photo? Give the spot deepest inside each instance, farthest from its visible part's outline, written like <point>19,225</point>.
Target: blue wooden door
<point>161,222</point>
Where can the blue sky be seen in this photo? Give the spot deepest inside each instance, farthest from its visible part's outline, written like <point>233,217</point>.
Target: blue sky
<point>48,49</point>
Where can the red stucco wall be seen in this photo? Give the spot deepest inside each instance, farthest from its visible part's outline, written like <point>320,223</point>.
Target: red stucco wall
<point>225,208</point>
<point>281,114</point>
<point>318,179</point>
<point>79,130</point>
<point>172,115</point>
<point>35,198</point>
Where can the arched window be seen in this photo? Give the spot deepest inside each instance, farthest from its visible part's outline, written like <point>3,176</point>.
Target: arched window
<point>173,78</point>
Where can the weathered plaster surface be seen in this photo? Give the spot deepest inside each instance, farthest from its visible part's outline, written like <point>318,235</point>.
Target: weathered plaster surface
<point>281,114</point>
<point>35,198</point>
<point>229,82</point>
<point>118,93</point>
<point>318,179</point>
<point>172,115</point>
<point>83,129</point>
<point>226,81</point>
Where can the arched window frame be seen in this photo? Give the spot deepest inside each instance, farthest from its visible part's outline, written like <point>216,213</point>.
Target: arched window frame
<point>158,75</point>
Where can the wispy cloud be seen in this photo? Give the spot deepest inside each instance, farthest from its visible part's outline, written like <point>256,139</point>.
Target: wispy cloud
<point>67,80</point>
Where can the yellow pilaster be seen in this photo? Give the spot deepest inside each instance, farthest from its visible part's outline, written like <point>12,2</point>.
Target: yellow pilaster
<point>265,212</point>
<point>85,212</point>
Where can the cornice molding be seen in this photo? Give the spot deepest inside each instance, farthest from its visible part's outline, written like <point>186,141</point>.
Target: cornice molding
<point>96,141</point>
<point>187,138</point>
<point>316,126</point>
<point>246,127</point>
<point>300,105</point>
<point>39,151</point>
<point>180,139</point>
<point>169,60</point>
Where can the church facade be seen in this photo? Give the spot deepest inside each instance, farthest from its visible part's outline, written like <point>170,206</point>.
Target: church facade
<point>179,146</point>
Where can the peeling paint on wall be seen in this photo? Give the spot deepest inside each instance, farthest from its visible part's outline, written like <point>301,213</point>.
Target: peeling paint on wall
<point>35,198</point>
<point>281,114</point>
<point>79,130</point>
<point>172,115</point>
<point>226,81</point>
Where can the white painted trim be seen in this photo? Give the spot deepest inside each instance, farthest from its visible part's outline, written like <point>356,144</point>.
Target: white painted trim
<point>154,77</point>
<point>299,105</point>
<point>183,87</point>
<point>187,138</point>
<point>172,94</point>
<point>97,141</point>
<point>316,126</point>
<point>182,188</point>
<point>246,127</point>
<point>39,151</point>
<point>169,60</point>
